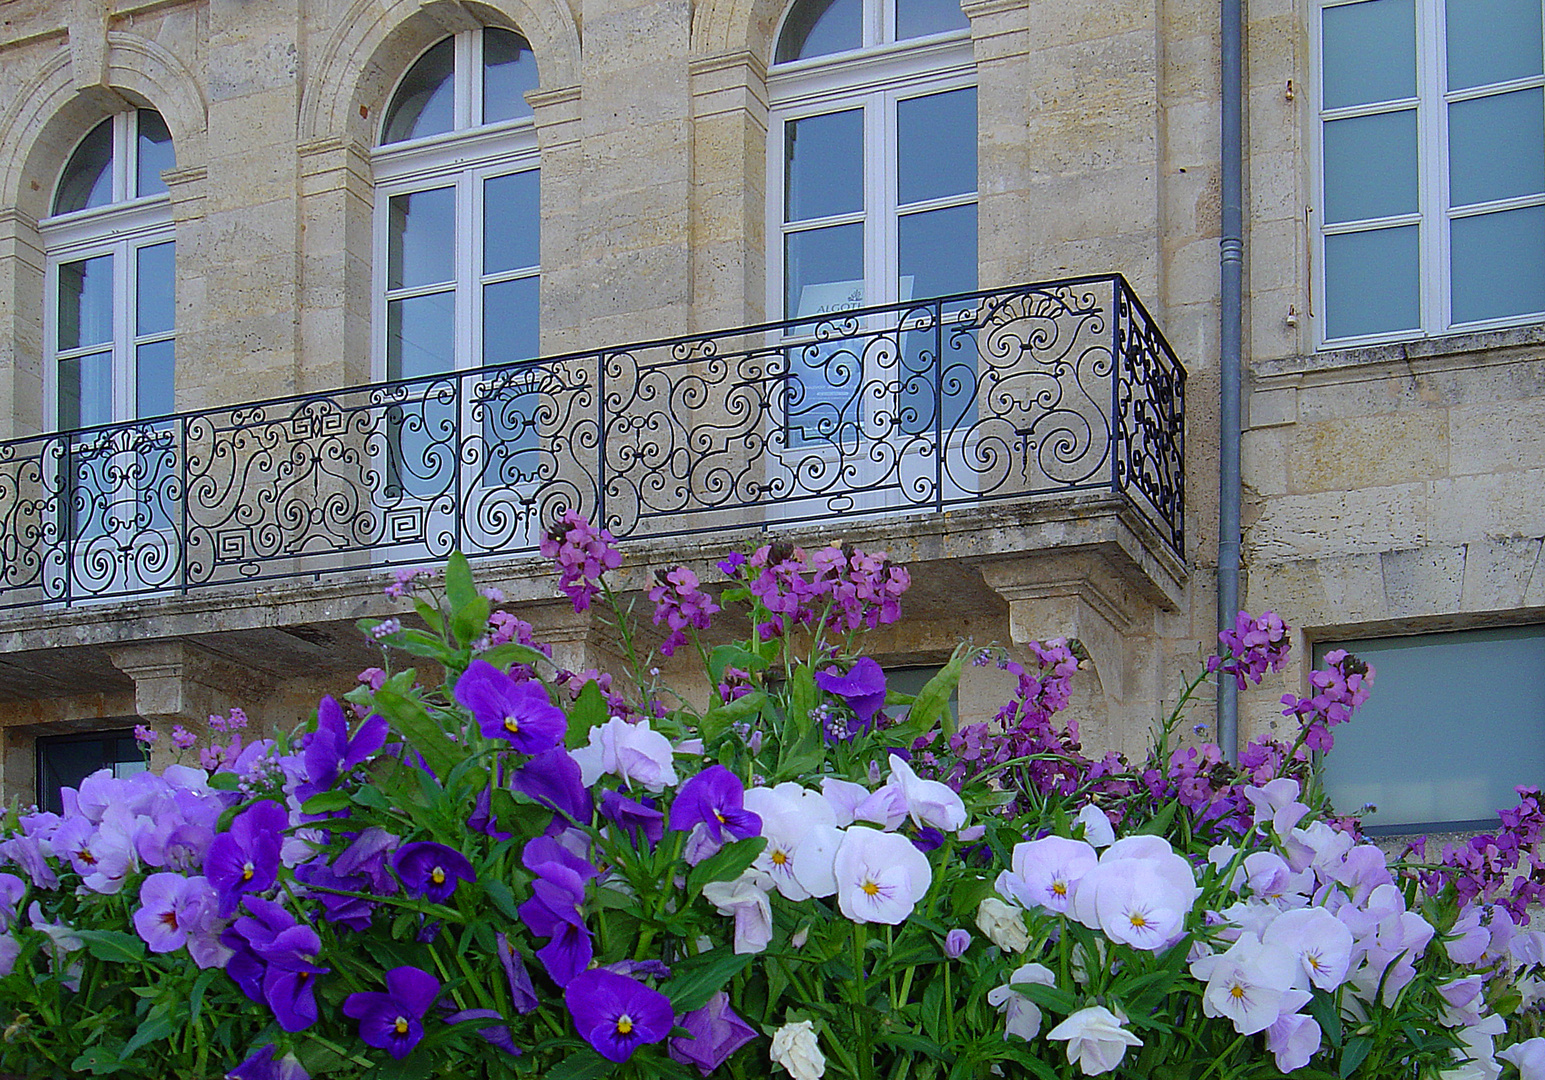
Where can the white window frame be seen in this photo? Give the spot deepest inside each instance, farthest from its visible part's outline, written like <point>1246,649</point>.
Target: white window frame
<point>461,158</point>
<point>1433,216</point>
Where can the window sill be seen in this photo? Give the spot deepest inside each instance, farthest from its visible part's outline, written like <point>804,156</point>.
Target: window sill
<point>1457,350</point>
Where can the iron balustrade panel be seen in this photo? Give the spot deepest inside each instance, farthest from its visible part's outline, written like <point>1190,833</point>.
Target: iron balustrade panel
<point>985,397</point>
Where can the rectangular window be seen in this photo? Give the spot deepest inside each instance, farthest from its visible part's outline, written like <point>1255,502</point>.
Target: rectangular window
<point>65,760</point>
<point>1454,723</point>
<point>1431,144</point>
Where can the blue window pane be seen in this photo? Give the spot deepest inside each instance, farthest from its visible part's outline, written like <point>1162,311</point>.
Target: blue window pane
<point>936,145</point>
<point>511,222</point>
<point>1499,264</point>
<point>1371,282</point>
<point>824,165</point>
<point>1370,167</point>
<point>87,180</point>
<point>421,238</point>
<point>510,321</point>
<point>920,18</point>
<point>824,271</point>
<point>155,153</point>
<point>821,27</point>
<point>425,102</point>
<point>1496,147</point>
<point>1369,53</point>
<point>1492,40</point>
<point>155,378</point>
<point>155,298</point>
<point>85,303</point>
<point>1425,747</point>
<point>420,336</point>
<point>938,257</point>
<point>509,71</point>
<point>86,391</point>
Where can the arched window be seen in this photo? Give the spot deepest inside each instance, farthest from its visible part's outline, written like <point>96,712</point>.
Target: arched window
<point>111,289</point>
<point>873,185</point>
<point>110,337</point>
<point>457,224</point>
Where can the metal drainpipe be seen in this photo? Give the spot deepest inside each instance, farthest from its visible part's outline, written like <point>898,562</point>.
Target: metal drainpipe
<point>1232,263</point>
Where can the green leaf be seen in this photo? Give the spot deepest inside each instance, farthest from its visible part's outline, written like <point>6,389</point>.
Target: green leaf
<point>113,945</point>
<point>590,710</point>
<point>1159,824</point>
<point>801,747</point>
<point>581,1065</point>
<point>502,898</point>
<point>518,815</point>
<point>692,987</point>
<point>1325,1012</point>
<point>97,1061</point>
<point>933,700</point>
<point>917,1044</point>
<point>224,781</point>
<point>503,656</point>
<point>733,656</point>
<point>728,863</point>
<point>717,720</point>
<point>326,802</point>
<point>1351,1057</point>
<point>409,717</point>
<point>469,608</point>
<point>430,614</point>
<point>157,1026</point>
<point>1054,998</point>
<point>196,997</point>
<point>418,643</point>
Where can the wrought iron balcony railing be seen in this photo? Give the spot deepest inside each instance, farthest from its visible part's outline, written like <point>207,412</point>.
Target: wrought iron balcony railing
<point>994,396</point>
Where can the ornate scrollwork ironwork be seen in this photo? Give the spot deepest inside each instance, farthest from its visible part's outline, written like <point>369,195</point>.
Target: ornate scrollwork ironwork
<point>999,395</point>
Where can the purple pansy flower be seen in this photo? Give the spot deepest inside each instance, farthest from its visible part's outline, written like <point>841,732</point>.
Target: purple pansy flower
<point>522,993</point>
<point>246,859</point>
<point>262,1066</point>
<point>393,1021</point>
<point>716,798</point>
<point>431,870</point>
<point>716,1034</point>
<point>493,1034</point>
<point>274,962</point>
<point>633,818</point>
<point>552,778</point>
<point>331,753</point>
<point>170,905</point>
<point>518,712</point>
<point>616,1014</point>
<point>553,911</point>
<point>863,687</point>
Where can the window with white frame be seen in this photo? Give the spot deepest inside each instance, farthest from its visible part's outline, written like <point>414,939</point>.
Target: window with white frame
<point>1426,749</point>
<point>872,192</point>
<point>457,233</point>
<point>110,325</point>
<point>1431,149</point>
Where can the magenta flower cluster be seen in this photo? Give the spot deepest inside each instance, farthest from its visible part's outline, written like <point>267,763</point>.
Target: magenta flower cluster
<point>680,603</point>
<point>1338,688</point>
<point>1251,648</point>
<point>841,587</point>
<point>582,554</point>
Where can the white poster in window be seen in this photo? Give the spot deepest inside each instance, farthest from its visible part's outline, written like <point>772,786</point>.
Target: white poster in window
<point>830,373</point>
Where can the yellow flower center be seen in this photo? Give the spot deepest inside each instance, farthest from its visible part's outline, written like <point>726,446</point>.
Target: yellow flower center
<point>247,871</point>
<point>437,876</point>
<point>169,918</point>
<point>86,857</point>
<point>624,1024</point>
<point>779,858</point>
<point>1060,888</point>
<point>400,1025</point>
<point>512,725</point>
<point>1236,991</point>
<point>871,888</point>
<point>1138,921</point>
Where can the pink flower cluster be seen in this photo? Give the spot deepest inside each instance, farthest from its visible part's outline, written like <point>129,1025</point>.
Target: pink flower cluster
<point>582,554</point>
<point>1339,688</point>
<point>850,587</point>
<point>1253,647</point>
<point>402,581</point>
<point>678,604</point>
<point>1502,869</point>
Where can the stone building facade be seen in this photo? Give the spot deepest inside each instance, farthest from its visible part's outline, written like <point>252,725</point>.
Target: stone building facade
<point>624,171</point>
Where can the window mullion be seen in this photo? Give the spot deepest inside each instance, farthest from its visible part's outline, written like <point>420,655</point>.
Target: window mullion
<point>124,147</point>
<point>124,405</point>
<point>462,77</point>
<point>1432,127</point>
<point>468,256</point>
